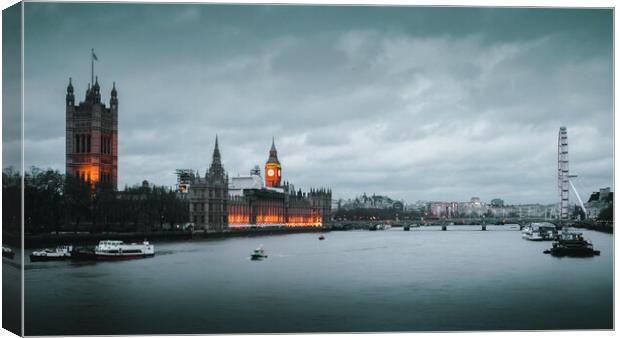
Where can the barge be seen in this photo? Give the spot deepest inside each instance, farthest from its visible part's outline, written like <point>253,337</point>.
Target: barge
<point>58,254</point>
<point>572,244</point>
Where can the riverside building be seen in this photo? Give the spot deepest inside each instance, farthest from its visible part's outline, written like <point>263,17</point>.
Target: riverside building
<point>218,202</point>
<point>91,137</point>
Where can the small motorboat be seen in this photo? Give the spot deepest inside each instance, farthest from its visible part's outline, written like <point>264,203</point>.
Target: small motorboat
<point>258,254</point>
<point>58,254</point>
<point>321,238</point>
<point>7,252</point>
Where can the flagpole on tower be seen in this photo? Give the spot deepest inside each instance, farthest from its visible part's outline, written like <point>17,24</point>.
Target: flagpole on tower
<point>92,67</point>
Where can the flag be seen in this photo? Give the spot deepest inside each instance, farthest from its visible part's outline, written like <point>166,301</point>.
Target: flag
<point>94,55</point>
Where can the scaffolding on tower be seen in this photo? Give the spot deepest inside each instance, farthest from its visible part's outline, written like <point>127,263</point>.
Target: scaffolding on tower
<point>184,179</point>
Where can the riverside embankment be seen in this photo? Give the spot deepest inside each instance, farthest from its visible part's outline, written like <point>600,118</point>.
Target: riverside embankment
<point>86,238</point>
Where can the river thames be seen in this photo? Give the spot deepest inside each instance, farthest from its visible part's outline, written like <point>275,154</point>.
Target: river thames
<point>353,281</point>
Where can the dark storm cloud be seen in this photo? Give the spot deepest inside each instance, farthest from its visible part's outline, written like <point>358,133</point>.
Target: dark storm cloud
<point>11,89</point>
<point>415,103</point>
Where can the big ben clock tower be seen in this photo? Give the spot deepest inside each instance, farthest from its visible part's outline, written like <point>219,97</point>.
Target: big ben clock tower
<point>273,169</point>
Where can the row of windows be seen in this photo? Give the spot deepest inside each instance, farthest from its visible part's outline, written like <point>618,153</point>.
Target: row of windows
<point>82,142</point>
<point>201,219</point>
<point>106,145</point>
<point>104,177</point>
<point>84,175</point>
<point>201,207</point>
<point>212,193</point>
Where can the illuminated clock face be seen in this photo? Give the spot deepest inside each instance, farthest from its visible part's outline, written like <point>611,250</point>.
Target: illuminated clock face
<point>270,172</point>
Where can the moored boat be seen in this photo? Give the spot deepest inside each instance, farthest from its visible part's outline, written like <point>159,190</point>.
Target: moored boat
<point>572,244</point>
<point>407,227</point>
<point>83,254</point>
<point>258,254</point>
<point>118,250</point>
<point>7,252</point>
<point>380,227</point>
<point>539,232</point>
<point>58,254</point>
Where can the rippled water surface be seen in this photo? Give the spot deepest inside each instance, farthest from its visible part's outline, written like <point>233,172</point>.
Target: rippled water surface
<point>352,281</point>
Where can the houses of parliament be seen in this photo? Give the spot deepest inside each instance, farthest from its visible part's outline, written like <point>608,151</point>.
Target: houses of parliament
<point>218,202</point>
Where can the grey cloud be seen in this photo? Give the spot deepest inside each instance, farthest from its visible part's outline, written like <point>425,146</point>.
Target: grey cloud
<point>369,100</point>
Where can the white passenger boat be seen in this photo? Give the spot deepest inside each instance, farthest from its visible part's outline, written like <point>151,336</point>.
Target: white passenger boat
<point>114,250</point>
<point>57,254</point>
<point>539,232</point>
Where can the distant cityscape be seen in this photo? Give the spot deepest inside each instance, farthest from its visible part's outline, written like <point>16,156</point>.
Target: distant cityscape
<point>599,206</point>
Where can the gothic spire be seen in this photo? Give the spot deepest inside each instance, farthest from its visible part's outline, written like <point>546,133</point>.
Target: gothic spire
<point>216,171</point>
<point>273,153</point>
<point>216,151</point>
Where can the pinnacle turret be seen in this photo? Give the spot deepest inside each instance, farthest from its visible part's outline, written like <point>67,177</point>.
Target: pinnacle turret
<point>70,97</point>
<point>70,87</point>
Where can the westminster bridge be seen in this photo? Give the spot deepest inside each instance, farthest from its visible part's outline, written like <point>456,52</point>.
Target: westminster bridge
<point>518,223</point>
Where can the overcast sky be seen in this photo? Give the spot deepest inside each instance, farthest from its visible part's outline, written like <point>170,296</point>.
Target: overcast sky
<point>410,102</point>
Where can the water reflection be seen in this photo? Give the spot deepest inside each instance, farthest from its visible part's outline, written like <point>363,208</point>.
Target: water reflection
<point>352,281</point>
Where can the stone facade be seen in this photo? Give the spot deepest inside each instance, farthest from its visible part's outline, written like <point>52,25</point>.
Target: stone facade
<point>282,207</point>
<point>321,199</point>
<point>208,196</point>
<point>216,205</point>
<point>598,201</point>
<point>92,136</point>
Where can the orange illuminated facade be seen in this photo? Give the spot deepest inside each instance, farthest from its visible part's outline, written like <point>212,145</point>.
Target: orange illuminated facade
<point>91,136</point>
<point>276,203</point>
<point>264,207</point>
<point>238,212</point>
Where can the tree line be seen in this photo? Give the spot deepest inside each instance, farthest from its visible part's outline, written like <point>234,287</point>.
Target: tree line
<point>56,202</point>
